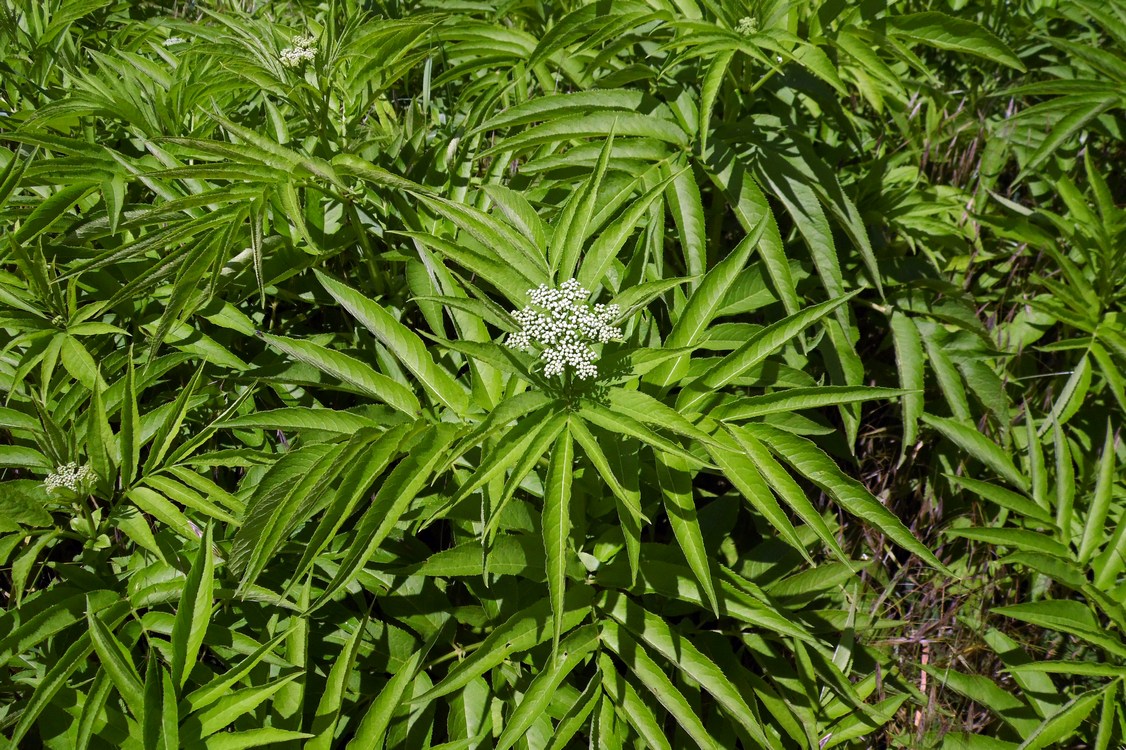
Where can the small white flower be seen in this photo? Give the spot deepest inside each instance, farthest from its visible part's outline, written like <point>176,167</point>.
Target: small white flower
<point>563,326</point>
<point>746,26</point>
<point>172,41</point>
<point>72,477</point>
<point>302,51</point>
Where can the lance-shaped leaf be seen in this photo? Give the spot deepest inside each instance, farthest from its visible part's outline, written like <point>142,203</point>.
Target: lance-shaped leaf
<point>760,346</point>
<point>502,242</point>
<point>1093,530</point>
<point>274,503</point>
<point>130,434</point>
<point>787,489</point>
<point>524,630</point>
<point>509,451</point>
<point>204,696</point>
<point>980,447</point>
<point>328,708</point>
<point>577,715</point>
<point>750,206</point>
<point>364,463</point>
<point>402,342</point>
<point>680,507</point>
<point>573,650</point>
<point>703,305</point>
<point>238,703</point>
<point>796,399</point>
<point>602,252</point>
<point>638,661</point>
<point>909,361</point>
<point>812,463</point>
<point>405,481</point>
<point>194,613</point>
<point>620,690</point>
<point>557,526</point>
<point>118,664</point>
<point>571,228</point>
<point>535,450</point>
<point>679,650</point>
<point>623,424</point>
<point>356,375</point>
<point>742,473</point>
<point>372,729</point>
<point>623,484</point>
<point>56,677</point>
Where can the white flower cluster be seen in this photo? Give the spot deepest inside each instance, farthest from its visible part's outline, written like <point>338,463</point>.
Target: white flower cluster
<point>71,477</point>
<point>746,26</point>
<point>302,51</point>
<point>563,325</point>
<point>172,41</point>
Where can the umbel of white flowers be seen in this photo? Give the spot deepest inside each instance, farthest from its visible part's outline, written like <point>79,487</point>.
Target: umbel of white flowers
<point>71,477</point>
<point>301,51</point>
<point>563,326</point>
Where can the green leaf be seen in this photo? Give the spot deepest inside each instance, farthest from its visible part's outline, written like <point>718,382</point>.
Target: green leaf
<point>1003,497</point>
<point>814,465</point>
<point>572,226</point>
<point>1084,109</point>
<point>675,482</point>
<point>745,476</point>
<point>1022,539</point>
<point>703,306</point>
<point>328,707</point>
<point>300,418</point>
<point>118,664</point>
<point>194,613</point>
<point>274,505</point>
<point>957,34</point>
<point>234,704</point>
<point>634,656</point>
<point>522,631</point>
<point>787,490</point>
<point>909,362</point>
<point>593,125</point>
<point>980,447</point>
<point>361,377</point>
<point>503,243</point>
<point>621,690</point>
<point>130,434</point>
<point>49,211</point>
<point>1093,530</point>
<point>1068,617</point>
<point>557,527</point>
<point>204,696</point>
<point>681,652</point>
<point>267,737</point>
<point>22,502</point>
<point>397,492</point>
<point>796,399</point>
<point>1061,725</point>
<point>403,343</point>
<point>572,651</point>
<point>760,346</point>
<point>576,716</point>
<point>751,207</point>
<point>372,729</point>
<point>56,677</point>
<point>602,252</point>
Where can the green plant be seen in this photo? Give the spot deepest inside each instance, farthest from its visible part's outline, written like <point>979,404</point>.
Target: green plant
<point>616,374</point>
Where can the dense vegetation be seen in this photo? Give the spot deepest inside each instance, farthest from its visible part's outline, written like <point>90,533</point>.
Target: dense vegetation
<point>281,463</point>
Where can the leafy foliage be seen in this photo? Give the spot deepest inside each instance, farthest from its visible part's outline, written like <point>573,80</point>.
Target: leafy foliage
<point>849,476</point>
